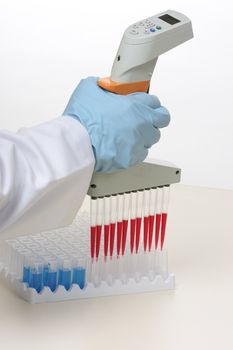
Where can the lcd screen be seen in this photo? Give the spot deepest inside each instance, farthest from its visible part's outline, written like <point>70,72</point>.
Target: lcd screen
<point>169,19</point>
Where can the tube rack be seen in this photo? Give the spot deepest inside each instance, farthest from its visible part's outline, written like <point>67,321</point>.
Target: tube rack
<point>56,266</point>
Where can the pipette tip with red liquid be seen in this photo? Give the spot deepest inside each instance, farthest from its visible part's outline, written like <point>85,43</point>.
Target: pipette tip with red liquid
<point>139,212</point>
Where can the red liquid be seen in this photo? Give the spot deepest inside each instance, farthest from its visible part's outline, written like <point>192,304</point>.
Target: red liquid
<point>112,238</point>
<point>132,234</point>
<point>157,229</point>
<point>119,236</point>
<point>151,230</point>
<point>124,236</point>
<point>106,240</point>
<point>145,231</point>
<point>93,238</point>
<point>138,231</point>
<point>163,229</point>
<point>98,238</point>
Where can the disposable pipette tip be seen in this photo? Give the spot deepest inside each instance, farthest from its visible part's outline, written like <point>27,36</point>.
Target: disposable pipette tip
<point>157,229</point>
<point>98,238</point>
<point>106,239</point>
<point>112,238</point>
<point>145,233</point>
<point>163,229</point>
<point>138,231</point>
<point>119,236</point>
<point>132,234</point>
<point>93,240</point>
<point>124,236</point>
<point>151,229</point>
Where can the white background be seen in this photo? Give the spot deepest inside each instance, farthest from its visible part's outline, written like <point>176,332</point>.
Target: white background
<point>46,47</point>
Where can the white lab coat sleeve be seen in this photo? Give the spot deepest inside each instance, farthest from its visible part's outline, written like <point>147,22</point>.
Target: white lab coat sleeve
<point>45,172</point>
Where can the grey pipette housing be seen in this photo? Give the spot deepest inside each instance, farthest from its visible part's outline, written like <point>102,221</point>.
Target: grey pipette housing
<point>141,45</point>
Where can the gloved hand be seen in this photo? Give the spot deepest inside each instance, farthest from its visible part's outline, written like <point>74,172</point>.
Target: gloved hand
<point>121,128</point>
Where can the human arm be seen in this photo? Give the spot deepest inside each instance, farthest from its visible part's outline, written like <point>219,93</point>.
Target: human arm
<point>44,175</point>
<point>45,171</point>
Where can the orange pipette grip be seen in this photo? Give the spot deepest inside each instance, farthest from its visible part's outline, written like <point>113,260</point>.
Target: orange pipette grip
<point>124,88</point>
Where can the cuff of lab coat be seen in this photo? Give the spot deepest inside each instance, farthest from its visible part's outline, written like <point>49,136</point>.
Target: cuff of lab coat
<point>78,132</point>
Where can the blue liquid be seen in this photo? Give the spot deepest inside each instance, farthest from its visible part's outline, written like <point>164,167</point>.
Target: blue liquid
<point>45,275</point>
<point>79,275</point>
<point>52,280</point>
<point>36,281</point>
<point>26,274</point>
<point>65,278</point>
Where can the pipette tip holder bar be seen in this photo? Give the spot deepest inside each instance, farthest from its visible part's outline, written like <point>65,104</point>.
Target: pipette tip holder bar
<point>153,173</point>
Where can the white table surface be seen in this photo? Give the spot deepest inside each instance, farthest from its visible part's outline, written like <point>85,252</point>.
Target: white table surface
<point>197,315</point>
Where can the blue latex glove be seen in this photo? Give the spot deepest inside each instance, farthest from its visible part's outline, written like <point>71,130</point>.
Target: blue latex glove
<point>121,128</point>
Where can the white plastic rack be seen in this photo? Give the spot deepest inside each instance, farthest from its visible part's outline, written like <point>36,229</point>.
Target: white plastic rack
<point>56,266</point>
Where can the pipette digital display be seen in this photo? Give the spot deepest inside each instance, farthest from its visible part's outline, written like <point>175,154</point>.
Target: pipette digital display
<point>169,19</point>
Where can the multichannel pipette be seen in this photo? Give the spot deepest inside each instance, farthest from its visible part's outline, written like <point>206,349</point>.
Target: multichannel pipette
<point>128,212</point>
<point>145,208</point>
